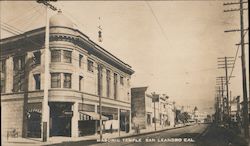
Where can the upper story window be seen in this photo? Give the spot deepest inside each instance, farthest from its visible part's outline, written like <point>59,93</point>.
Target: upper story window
<point>55,55</point>
<point>3,75</point>
<point>55,80</point>
<point>80,83</point>
<point>121,80</point>
<point>18,82</point>
<point>67,56</point>
<point>67,80</point>
<point>90,66</point>
<point>37,57</point>
<point>108,82</point>
<point>115,85</point>
<point>37,78</point>
<point>2,66</point>
<point>19,62</point>
<point>80,60</point>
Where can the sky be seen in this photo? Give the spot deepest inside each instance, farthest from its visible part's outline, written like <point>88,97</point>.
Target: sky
<point>172,46</point>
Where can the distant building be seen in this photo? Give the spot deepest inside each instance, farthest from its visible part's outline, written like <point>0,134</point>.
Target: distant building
<point>145,112</point>
<point>141,108</point>
<point>200,116</point>
<point>78,69</point>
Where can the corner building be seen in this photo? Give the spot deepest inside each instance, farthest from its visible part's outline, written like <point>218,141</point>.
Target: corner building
<point>80,72</point>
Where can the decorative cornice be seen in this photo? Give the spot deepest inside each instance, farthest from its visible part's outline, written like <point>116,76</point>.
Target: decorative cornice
<point>77,38</point>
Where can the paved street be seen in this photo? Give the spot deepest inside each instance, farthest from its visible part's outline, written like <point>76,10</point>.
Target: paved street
<point>188,134</point>
<point>196,135</point>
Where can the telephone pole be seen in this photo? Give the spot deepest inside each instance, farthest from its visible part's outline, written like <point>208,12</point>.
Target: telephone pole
<point>100,97</point>
<point>155,99</point>
<point>243,63</point>
<point>244,80</point>
<point>225,63</point>
<point>45,105</point>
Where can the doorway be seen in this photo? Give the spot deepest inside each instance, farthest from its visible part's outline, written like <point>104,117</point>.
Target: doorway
<point>60,121</point>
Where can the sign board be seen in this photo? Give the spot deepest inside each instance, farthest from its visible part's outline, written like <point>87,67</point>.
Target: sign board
<point>156,98</point>
<point>68,113</point>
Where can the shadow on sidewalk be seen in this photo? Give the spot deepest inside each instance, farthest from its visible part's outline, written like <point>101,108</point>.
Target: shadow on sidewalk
<point>76,143</point>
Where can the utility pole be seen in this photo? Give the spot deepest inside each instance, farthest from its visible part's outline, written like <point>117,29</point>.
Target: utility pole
<point>221,82</point>
<point>45,105</point>
<point>155,99</point>
<point>225,63</point>
<point>100,96</point>
<point>220,114</point>
<point>244,80</point>
<point>243,64</point>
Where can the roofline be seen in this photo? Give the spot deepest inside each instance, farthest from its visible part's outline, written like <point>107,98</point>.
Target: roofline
<point>42,30</point>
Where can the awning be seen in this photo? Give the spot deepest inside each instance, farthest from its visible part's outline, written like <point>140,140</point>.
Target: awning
<point>94,115</point>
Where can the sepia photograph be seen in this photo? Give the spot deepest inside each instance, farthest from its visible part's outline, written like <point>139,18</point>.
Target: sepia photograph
<point>124,73</point>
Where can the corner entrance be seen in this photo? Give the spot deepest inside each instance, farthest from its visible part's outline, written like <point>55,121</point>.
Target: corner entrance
<point>60,118</point>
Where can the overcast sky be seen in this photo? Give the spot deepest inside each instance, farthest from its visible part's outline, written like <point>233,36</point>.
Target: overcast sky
<point>173,46</point>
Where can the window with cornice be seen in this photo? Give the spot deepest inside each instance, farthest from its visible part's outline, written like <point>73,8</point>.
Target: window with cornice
<point>90,66</point>
<point>67,56</point>
<point>3,75</point>
<point>19,62</point>
<point>18,73</point>
<point>37,78</point>
<point>121,80</point>
<point>55,55</point>
<point>80,60</point>
<point>108,78</point>
<point>55,80</point>
<point>80,83</point>
<point>37,57</point>
<point>67,80</point>
<point>115,85</point>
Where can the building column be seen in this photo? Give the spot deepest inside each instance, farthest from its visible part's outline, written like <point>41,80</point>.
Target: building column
<point>9,75</point>
<point>74,124</point>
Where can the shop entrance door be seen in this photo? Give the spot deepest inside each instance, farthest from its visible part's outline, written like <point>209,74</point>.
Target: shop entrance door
<point>60,120</point>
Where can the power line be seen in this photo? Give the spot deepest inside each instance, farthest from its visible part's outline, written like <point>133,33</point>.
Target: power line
<point>16,32</point>
<point>235,58</point>
<point>18,18</point>
<point>158,22</point>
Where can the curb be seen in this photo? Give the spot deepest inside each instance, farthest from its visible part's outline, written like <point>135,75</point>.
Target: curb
<point>151,132</point>
<point>119,137</point>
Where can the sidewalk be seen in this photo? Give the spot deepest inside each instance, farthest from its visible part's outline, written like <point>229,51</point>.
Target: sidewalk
<point>54,140</point>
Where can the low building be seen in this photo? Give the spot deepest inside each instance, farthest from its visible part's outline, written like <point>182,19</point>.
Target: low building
<point>141,108</point>
<point>148,109</point>
<point>80,72</point>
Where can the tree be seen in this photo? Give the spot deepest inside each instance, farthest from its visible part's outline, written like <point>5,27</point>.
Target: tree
<point>195,108</point>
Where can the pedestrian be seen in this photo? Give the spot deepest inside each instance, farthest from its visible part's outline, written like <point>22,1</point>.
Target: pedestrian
<point>111,128</point>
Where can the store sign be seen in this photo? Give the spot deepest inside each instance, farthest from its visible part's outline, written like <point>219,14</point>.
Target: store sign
<point>68,113</point>
<point>34,107</point>
<point>156,98</point>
